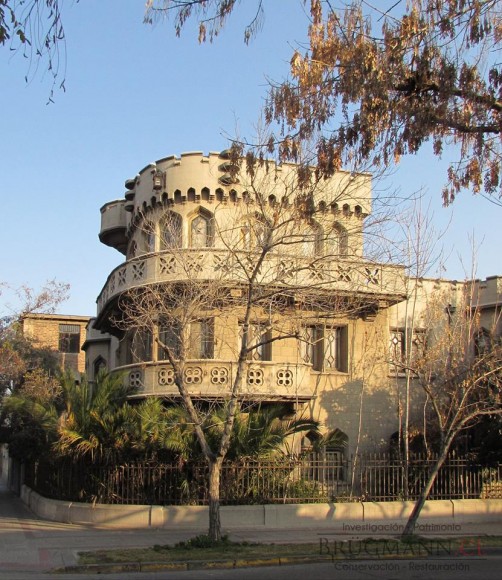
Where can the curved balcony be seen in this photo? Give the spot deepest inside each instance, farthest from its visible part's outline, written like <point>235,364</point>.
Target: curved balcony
<point>342,275</point>
<point>113,225</point>
<point>213,379</point>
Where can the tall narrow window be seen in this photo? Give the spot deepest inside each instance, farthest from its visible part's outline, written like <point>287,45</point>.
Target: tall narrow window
<point>169,340</point>
<point>259,338</point>
<point>255,234</point>
<point>312,240</point>
<point>201,235</point>
<point>406,348</point>
<point>311,346</point>
<point>201,339</point>
<point>132,250</point>
<point>69,338</point>
<point>262,233</point>
<point>142,346</point>
<point>333,348</point>
<point>99,364</point>
<point>482,342</point>
<point>325,347</point>
<point>246,237</point>
<point>337,241</point>
<point>397,350</point>
<point>171,231</point>
<point>148,235</point>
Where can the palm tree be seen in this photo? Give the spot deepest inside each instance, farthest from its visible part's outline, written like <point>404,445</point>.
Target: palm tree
<point>97,421</point>
<point>260,433</point>
<point>93,420</point>
<point>29,425</point>
<point>266,431</point>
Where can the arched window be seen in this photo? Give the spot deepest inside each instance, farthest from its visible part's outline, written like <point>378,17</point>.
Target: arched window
<point>201,230</point>
<point>171,231</point>
<point>337,241</point>
<point>132,250</point>
<point>98,365</point>
<point>312,239</point>
<point>141,346</point>
<point>328,453</point>
<point>262,233</point>
<point>255,233</point>
<point>148,237</point>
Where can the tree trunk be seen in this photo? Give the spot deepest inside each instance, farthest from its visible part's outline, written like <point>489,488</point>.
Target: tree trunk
<point>214,499</point>
<point>424,494</point>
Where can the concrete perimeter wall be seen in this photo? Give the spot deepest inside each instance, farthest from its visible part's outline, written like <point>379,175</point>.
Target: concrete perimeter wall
<point>349,517</point>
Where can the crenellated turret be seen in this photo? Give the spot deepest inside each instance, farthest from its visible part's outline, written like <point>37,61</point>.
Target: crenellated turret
<point>194,178</point>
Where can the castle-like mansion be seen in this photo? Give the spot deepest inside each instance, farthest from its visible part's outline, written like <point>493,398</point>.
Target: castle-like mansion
<point>240,281</point>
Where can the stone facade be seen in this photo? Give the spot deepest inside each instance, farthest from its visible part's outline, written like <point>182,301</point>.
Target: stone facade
<point>322,315</point>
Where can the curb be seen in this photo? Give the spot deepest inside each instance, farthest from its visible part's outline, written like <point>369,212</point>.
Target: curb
<point>181,566</point>
<point>191,565</point>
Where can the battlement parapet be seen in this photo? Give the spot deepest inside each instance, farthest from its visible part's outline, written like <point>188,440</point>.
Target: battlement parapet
<point>215,178</point>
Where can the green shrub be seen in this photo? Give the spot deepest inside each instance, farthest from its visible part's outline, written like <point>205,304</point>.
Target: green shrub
<point>202,541</point>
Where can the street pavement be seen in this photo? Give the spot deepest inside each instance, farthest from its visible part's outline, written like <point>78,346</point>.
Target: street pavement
<point>30,546</point>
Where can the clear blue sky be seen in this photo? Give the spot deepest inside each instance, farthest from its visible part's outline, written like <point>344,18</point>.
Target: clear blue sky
<point>136,94</point>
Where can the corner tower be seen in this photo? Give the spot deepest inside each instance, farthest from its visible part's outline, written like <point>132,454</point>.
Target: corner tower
<point>234,272</point>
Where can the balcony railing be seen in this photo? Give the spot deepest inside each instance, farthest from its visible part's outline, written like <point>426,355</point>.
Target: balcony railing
<point>221,266</point>
<point>215,378</point>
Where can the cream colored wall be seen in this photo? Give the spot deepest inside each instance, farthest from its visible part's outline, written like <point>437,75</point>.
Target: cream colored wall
<point>198,171</point>
<point>422,292</point>
<point>229,219</point>
<point>487,298</point>
<point>362,403</point>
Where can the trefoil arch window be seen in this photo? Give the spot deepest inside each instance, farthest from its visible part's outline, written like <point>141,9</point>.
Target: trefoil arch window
<point>255,233</point>
<point>312,239</point>
<point>337,241</point>
<point>171,231</point>
<point>98,365</point>
<point>202,230</point>
<point>148,237</point>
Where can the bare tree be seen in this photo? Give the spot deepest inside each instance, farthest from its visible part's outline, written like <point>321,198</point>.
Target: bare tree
<point>418,248</point>
<point>271,263</point>
<point>460,372</point>
<point>17,353</point>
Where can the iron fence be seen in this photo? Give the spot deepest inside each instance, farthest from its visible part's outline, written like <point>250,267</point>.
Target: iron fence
<point>381,477</point>
<point>312,479</point>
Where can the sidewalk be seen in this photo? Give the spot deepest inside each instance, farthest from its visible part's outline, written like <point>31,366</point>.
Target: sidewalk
<point>33,545</point>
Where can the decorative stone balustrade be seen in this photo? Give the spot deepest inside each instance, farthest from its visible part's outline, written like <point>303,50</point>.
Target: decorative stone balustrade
<point>215,378</point>
<point>220,266</point>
